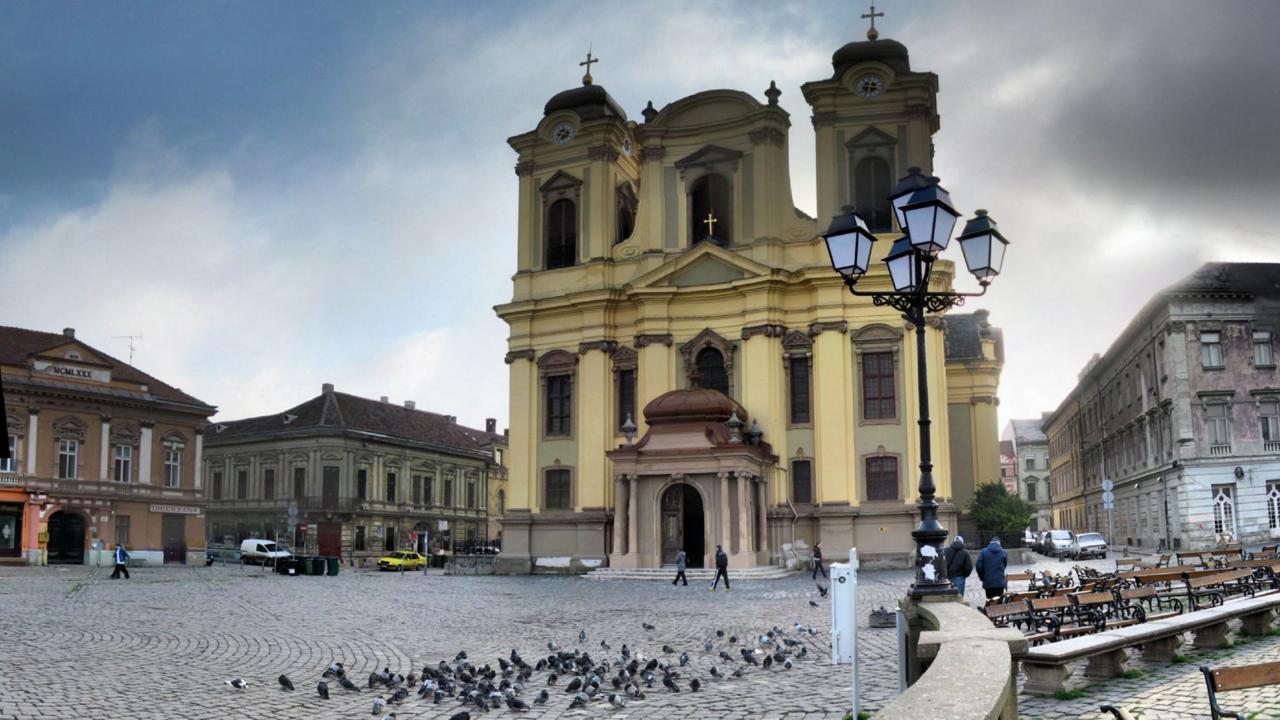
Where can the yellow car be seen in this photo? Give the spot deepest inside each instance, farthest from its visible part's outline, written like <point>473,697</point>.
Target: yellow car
<point>402,560</point>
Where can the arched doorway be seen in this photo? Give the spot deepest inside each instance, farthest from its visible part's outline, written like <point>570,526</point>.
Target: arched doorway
<point>683,524</point>
<point>66,538</point>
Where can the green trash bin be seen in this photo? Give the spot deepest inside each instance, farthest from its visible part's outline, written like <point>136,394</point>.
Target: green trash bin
<point>306,565</point>
<point>333,566</point>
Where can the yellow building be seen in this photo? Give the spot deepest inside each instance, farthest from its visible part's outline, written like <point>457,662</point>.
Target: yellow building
<point>665,255</point>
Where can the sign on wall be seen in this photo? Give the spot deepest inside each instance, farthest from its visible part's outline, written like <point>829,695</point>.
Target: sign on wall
<point>176,509</point>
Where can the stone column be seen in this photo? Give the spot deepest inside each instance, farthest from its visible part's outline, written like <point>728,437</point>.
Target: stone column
<point>144,461</point>
<point>722,513</point>
<point>744,523</point>
<point>619,517</point>
<point>633,484</point>
<point>104,457</point>
<point>33,428</point>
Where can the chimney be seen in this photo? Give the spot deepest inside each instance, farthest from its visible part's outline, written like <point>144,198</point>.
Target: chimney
<point>383,399</point>
<point>453,419</point>
<point>491,425</point>
<point>326,388</point>
<point>69,332</point>
<point>411,404</point>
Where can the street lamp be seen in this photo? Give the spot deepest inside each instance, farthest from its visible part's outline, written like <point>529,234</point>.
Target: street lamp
<point>927,219</point>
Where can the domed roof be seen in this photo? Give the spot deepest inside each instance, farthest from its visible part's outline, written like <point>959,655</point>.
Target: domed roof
<point>889,52</point>
<point>692,405</point>
<point>589,101</point>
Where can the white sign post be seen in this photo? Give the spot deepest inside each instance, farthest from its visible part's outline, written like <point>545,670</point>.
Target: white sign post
<point>844,618</point>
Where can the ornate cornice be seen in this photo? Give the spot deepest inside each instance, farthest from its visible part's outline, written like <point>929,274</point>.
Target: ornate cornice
<point>769,330</point>
<point>607,346</point>
<point>773,136</point>
<point>515,355</point>
<point>524,167</point>
<point>817,328</point>
<point>1175,326</point>
<point>602,152</point>
<point>652,153</point>
<point>647,339</point>
<point>823,119</point>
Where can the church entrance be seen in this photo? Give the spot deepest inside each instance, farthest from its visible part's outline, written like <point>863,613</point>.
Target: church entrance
<point>683,525</point>
<point>66,538</point>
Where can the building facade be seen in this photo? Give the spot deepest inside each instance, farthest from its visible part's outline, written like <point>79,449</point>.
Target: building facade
<point>1008,467</point>
<point>667,255</point>
<point>1182,414</point>
<point>345,476</point>
<point>100,453</point>
<point>1031,462</point>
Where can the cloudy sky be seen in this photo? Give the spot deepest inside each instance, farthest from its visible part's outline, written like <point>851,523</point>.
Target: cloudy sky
<point>276,195</point>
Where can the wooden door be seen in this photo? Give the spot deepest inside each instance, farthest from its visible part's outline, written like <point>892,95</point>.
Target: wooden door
<point>672,524</point>
<point>66,538</point>
<point>330,539</point>
<point>173,534</point>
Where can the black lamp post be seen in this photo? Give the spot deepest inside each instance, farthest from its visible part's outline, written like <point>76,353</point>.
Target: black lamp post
<point>924,212</point>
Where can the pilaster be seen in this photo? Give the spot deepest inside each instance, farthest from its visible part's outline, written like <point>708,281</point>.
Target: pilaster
<point>523,447</point>
<point>833,416</point>
<point>103,450</point>
<point>593,427</point>
<point>33,432</point>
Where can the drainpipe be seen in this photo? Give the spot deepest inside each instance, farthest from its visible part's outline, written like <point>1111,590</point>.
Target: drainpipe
<point>794,516</point>
<point>1164,490</point>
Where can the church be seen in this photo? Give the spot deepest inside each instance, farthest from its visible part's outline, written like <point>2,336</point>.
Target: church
<point>687,370</point>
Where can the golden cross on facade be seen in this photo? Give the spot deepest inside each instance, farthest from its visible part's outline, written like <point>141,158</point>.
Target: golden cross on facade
<point>711,224</point>
<point>586,79</point>
<point>871,33</point>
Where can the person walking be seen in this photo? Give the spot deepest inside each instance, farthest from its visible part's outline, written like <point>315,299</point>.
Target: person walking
<point>722,569</point>
<point>682,562</point>
<point>991,564</point>
<point>959,564</point>
<point>817,562</point>
<point>122,557</point>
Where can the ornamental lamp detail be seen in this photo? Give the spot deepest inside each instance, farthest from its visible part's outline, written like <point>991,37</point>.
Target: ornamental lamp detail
<point>849,244</point>
<point>983,246</point>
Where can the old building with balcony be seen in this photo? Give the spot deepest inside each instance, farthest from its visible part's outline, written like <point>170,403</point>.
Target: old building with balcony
<point>99,453</point>
<point>1182,414</point>
<point>341,475</point>
<point>1030,455</point>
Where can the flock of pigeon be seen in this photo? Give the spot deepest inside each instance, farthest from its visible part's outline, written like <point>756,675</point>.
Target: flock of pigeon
<point>606,677</point>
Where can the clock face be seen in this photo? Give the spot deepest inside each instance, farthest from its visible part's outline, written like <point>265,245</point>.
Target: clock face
<point>626,147</point>
<point>562,133</point>
<point>869,86</point>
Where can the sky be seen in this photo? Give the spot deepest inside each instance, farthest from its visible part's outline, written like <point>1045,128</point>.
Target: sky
<point>278,195</point>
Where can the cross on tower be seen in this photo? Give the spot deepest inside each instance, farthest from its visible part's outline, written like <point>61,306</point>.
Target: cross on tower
<point>586,79</point>
<point>711,224</point>
<point>871,33</point>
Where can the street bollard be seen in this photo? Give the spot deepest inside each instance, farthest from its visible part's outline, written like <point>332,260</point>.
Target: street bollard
<point>844,619</point>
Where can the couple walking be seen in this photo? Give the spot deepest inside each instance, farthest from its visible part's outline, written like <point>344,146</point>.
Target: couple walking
<point>722,568</point>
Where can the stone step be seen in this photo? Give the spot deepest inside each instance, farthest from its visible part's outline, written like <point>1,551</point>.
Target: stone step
<point>771,572</point>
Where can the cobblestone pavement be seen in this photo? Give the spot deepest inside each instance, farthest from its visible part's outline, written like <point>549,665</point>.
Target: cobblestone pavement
<point>77,644</point>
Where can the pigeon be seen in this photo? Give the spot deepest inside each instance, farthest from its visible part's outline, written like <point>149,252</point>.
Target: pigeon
<point>582,636</point>
<point>647,626</point>
<point>813,604</point>
<point>695,685</point>
<point>574,685</point>
<point>464,715</point>
<point>552,646</point>
<point>399,696</point>
<point>541,698</point>
<point>237,683</point>
<point>733,639</point>
<point>285,682</point>
<point>737,673</point>
<point>684,659</point>
<point>708,646</point>
<point>348,685</point>
<point>667,649</point>
<point>552,679</point>
<point>787,664</point>
<point>617,701</point>
<point>378,704</point>
<point>719,633</point>
<point>322,688</point>
<point>334,670</point>
<point>822,590</point>
<point>669,683</point>
<point>516,704</point>
<point>749,656</point>
<point>579,700</point>
<point>724,655</point>
<point>604,645</point>
<point>374,679</point>
<point>715,671</point>
<point>803,651</point>
<point>389,716</point>
<point>768,661</point>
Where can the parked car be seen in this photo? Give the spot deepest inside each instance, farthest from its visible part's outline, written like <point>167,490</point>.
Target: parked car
<point>1058,543</point>
<point>402,560</point>
<point>1028,539</point>
<point>258,550</point>
<point>1088,545</point>
<point>1041,537</point>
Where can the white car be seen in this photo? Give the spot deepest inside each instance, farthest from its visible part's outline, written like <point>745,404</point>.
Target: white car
<point>1058,543</point>
<point>257,550</point>
<point>1088,545</point>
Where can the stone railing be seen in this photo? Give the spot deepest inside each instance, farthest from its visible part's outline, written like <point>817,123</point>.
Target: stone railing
<point>953,642</point>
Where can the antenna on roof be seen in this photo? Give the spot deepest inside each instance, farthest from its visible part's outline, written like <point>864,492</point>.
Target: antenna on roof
<point>131,338</point>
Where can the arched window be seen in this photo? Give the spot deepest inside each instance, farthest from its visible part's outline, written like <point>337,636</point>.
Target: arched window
<point>711,371</point>
<point>562,234</point>
<point>871,193</point>
<point>801,481</point>
<point>710,196</point>
<point>627,205</point>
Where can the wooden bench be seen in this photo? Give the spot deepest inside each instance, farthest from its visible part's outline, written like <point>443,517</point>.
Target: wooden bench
<point>1267,551</point>
<point>1114,614</point>
<point>1237,678</point>
<point>1155,606</point>
<point>1048,666</point>
<point>1018,615</point>
<point>1218,585</point>
<point>1068,618</point>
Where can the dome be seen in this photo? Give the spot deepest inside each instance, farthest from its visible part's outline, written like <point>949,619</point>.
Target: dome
<point>589,101</point>
<point>692,405</point>
<point>889,52</point>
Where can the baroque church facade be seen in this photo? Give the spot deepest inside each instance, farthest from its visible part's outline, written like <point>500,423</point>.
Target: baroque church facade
<point>687,370</point>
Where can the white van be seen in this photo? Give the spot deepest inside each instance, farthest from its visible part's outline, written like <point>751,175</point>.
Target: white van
<point>258,550</point>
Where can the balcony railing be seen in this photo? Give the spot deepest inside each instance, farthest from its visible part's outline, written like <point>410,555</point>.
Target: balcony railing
<point>310,503</point>
<point>1271,446</point>
<point>10,478</point>
<point>1217,450</point>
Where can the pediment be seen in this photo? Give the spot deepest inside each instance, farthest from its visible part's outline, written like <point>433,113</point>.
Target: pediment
<point>74,352</point>
<point>560,181</point>
<point>706,264</point>
<point>707,108</point>
<point>870,137</point>
<point>708,155</point>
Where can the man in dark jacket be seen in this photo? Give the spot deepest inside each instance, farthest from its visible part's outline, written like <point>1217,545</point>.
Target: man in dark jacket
<point>959,564</point>
<point>817,562</point>
<point>722,569</point>
<point>122,557</point>
<point>682,563</point>
<point>991,565</point>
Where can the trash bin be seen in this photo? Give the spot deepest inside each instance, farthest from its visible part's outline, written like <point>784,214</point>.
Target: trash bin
<point>306,565</point>
<point>317,565</point>
<point>333,565</point>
